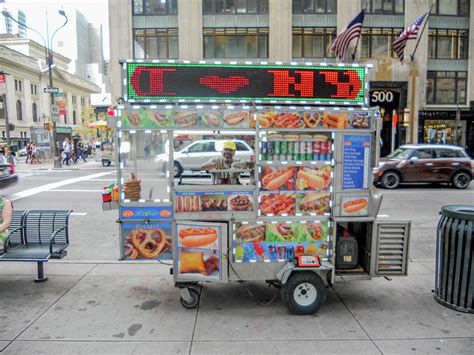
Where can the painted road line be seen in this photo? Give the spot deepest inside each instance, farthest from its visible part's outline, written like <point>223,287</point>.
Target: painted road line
<point>79,214</point>
<point>55,185</point>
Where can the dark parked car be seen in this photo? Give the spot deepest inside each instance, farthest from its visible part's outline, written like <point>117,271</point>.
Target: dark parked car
<point>7,175</point>
<point>425,163</point>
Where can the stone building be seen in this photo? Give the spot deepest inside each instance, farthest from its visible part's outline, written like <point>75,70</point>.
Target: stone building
<point>28,107</point>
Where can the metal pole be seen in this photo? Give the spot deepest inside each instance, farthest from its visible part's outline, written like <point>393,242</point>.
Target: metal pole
<point>413,74</point>
<point>49,58</point>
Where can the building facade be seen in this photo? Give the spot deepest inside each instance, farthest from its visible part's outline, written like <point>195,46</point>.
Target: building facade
<point>27,106</point>
<point>427,98</point>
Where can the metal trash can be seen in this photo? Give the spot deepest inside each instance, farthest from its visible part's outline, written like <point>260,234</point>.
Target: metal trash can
<point>454,274</point>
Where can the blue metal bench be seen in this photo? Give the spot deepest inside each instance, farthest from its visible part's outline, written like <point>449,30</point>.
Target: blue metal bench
<point>37,236</point>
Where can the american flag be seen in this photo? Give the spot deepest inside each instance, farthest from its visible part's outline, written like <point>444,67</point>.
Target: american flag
<point>351,31</point>
<point>411,32</point>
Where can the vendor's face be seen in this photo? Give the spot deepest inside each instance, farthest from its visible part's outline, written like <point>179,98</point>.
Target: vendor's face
<point>228,154</point>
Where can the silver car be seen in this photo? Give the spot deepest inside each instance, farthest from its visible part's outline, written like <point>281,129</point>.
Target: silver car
<point>193,156</point>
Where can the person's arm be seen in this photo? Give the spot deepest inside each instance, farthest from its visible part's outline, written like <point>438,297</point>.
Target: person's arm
<point>6,216</point>
<point>211,164</point>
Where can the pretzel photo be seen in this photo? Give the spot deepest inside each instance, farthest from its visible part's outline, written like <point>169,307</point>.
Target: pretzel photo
<point>150,243</point>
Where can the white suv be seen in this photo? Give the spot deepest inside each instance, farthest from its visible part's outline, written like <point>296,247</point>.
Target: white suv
<point>193,156</point>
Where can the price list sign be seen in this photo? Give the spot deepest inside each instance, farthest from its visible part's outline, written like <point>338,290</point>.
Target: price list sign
<point>356,162</point>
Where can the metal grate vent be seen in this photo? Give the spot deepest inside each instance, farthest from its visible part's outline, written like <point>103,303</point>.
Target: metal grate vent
<point>392,248</point>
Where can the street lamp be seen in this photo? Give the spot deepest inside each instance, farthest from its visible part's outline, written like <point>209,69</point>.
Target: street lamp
<point>48,49</point>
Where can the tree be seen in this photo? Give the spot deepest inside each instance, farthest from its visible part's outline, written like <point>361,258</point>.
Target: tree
<point>88,116</point>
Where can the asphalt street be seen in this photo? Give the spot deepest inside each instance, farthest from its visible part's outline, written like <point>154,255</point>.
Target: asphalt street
<point>93,303</point>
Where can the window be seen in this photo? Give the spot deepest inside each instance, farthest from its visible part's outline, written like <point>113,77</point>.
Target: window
<point>202,147</point>
<point>241,147</point>
<point>74,101</point>
<point>446,87</point>
<point>36,89</point>
<point>448,44</point>
<point>155,7</point>
<point>74,117</point>
<point>314,6</point>
<point>16,85</point>
<point>65,118</point>
<point>19,113</point>
<point>235,43</point>
<point>449,153</point>
<point>313,42</point>
<point>423,154</point>
<point>32,90</point>
<point>34,112</point>
<point>392,7</point>
<point>82,102</point>
<point>155,43</point>
<point>451,8</point>
<point>19,85</point>
<point>232,7</point>
<point>377,42</point>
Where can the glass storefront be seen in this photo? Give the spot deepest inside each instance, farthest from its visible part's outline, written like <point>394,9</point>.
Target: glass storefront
<point>445,132</point>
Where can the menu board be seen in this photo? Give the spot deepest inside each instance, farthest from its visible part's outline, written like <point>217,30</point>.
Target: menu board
<point>295,190</point>
<point>198,250</point>
<point>145,118</point>
<point>222,201</point>
<point>280,241</point>
<point>356,162</point>
<point>146,241</point>
<point>137,213</point>
<point>315,119</point>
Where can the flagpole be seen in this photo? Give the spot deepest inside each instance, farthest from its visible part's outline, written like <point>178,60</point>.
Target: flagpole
<point>358,37</point>
<point>412,56</point>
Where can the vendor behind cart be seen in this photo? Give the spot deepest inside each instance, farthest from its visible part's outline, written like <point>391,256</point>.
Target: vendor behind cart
<point>226,162</point>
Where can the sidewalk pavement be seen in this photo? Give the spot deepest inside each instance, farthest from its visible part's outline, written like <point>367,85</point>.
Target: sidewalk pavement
<point>124,308</point>
<point>48,164</point>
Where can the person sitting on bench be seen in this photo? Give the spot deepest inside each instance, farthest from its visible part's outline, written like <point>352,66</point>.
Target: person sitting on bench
<point>6,209</point>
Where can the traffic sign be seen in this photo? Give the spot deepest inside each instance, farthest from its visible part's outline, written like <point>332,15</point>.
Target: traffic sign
<point>50,90</point>
<point>58,94</point>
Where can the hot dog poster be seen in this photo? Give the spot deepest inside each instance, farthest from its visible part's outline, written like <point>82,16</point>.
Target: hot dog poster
<point>214,201</point>
<point>148,119</point>
<point>356,162</point>
<point>354,206</point>
<point>315,119</point>
<point>146,241</point>
<point>281,241</point>
<point>198,247</point>
<point>313,203</point>
<point>296,178</point>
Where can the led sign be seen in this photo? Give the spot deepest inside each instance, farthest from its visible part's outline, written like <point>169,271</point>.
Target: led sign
<point>158,81</point>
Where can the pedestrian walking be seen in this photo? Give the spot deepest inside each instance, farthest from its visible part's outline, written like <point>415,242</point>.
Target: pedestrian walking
<point>3,158</point>
<point>147,151</point>
<point>28,152</point>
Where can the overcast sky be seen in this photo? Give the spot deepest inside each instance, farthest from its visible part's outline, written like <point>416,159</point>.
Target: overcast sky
<point>95,11</point>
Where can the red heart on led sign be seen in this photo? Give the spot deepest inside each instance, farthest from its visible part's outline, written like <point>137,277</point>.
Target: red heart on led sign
<point>224,85</point>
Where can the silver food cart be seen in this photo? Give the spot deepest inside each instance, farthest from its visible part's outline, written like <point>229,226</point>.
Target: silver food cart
<point>304,211</point>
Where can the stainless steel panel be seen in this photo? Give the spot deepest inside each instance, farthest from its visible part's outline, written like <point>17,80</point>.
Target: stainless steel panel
<point>390,246</point>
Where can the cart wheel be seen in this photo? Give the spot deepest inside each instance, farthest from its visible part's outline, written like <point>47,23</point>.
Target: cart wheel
<point>190,304</point>
<point>304,293</point>
<point>106,162</point>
